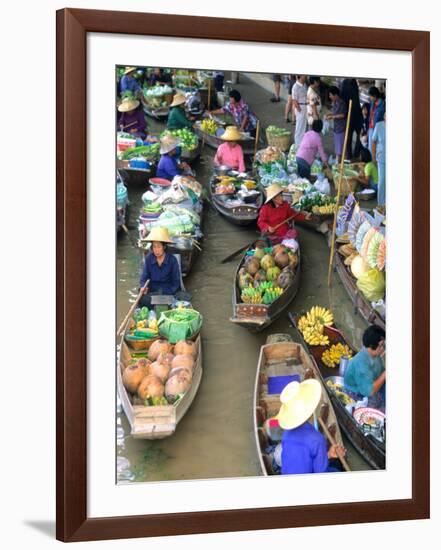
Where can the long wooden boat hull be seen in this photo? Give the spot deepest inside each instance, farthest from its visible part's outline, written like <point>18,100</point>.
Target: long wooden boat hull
<point>373,451</point>
<point>245,214</point>
<point>257,317</point>
<point>214,141</point>
<point>155,422</point>
<point>362,305</point>
<point>134,176</point>
<point>280,356</point>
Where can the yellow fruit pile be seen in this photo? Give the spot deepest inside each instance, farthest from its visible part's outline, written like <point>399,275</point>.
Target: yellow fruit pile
<point>326,209</point>
<point>208,125</point>
<point>331,357</point>
<point>312,325</point>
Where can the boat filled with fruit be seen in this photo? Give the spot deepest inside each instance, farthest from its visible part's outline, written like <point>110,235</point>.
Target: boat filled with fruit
<point>156,101</point>
<point>266,281</point>
<point>327,345</point>
<point>282,361</point>
<point>136,158</point>
<point>210,130</point>
<point>190,143</point>
<point>236,197</point>
<point>159,368</point>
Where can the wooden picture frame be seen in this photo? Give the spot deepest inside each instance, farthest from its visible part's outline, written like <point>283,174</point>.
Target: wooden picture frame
<point>72,28</point>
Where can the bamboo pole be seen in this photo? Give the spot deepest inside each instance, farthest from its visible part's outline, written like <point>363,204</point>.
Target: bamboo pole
<point>209,95</point>
<point>342,164</point>
<point>333,442</point>
<point>256,141</point>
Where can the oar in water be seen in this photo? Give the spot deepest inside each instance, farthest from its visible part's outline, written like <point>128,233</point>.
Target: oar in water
<point>132,309</point>
<point>324,411</point>
<point>234,254</point>
<point>130,236</point>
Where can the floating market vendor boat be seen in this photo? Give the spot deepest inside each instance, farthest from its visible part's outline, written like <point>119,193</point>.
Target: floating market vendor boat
<point>122,204</point>
<point>261,289</point>
<point>156,417</point>
<point>213,140</point>
<point>369,442</point>
<point>194,154</point>
<point>237,205</point>
<point>282,361</point>
<point>134,176</point>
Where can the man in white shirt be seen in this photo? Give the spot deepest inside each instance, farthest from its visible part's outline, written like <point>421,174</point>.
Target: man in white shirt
<point>299,93</point>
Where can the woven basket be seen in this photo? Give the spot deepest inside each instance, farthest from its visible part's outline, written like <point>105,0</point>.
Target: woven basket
<point>348,185</point>
<point>140,345</point>
<point>281,142</point>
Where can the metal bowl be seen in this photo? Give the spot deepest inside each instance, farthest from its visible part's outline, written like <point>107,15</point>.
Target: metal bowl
<point>222,170</point>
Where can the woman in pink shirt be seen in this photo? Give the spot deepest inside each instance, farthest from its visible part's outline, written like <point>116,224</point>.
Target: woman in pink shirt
<point>230,153</point>
<point>309,147</point>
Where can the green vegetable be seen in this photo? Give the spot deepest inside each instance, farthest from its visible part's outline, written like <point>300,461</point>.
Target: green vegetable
<point>146,151</point>
<point>277,132</point>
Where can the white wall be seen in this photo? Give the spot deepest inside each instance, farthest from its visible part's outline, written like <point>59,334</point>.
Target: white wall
<point>28,240</point>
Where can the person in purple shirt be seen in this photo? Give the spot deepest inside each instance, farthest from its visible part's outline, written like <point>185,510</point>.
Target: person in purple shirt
<point>169,165</point>
<point>304,448</point>
<point>310,145</point>
<point>129,83</point>
<point>132,119</point>
<point>339,114</point>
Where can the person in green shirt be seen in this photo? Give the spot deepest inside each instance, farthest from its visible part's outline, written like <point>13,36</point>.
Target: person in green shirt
<point>368,175</point>
<point>177,119</point>
<point>365,373</point>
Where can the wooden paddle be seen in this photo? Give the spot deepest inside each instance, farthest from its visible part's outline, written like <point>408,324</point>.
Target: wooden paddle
<point>129,235</point>
<point>132,309</point>
<point>324,410</point>
<point>234,254</point>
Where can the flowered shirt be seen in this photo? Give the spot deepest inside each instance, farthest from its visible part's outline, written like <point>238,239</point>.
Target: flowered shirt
<point>239,111</point>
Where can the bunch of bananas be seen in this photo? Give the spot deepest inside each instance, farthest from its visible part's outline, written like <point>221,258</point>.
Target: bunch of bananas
<point>331,357</point>
<point>325,209</point>
<point>209,126</point>
<point>312,325</point>
<point>272,294</point>
<point>320,314</point>
<point>250,184</point>
<point>251,295</point>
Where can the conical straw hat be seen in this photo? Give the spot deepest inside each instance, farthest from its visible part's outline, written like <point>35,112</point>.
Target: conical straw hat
<point>231,134</point>
<point>299,401</point>
<point>273,190</point>
<point>178,99</point>
<point>128,104</point>
<point>159,234</point>
<point>168,143</point>
<point>129,70</point>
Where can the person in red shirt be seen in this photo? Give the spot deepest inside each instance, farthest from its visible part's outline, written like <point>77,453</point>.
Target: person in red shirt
<point>275,211</point>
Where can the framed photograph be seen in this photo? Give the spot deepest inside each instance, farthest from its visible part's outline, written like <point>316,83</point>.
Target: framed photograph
<point>221,275</point>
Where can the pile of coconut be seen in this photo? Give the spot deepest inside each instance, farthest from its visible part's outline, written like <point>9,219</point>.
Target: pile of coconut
<point>164,376</point>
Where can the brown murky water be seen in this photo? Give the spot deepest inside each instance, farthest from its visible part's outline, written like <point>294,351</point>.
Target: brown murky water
<point>215,438</point>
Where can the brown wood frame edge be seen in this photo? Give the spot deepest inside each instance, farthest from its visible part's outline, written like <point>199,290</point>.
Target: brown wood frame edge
<point>71,465</point>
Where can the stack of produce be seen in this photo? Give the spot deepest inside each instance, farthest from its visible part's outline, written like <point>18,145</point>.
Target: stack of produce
<point>209,126</point>
<point>266,273</point>
<point>270,154</point>
<point>317,203</point>
<point>150,212</point>
<point>124,141</point>
<point>189,141</point>
<point>165,375</point>
<point>331,357</point>
<point>149,152</point>
<point>158,96</point>
<point>142,326</point>
<point>312,325</point>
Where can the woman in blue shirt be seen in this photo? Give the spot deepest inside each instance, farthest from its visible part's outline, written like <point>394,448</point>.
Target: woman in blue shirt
<point>304,449</point>
<point>169,165</point>
<point>365,373</point>
<point>129,83</point>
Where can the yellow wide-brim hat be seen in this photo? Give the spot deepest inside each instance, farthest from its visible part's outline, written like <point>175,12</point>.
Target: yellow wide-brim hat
<point>129,70</point>
<point>273,190</point>
<point>178,99</point>
<point>128,104</point>
<point>231,134</point>
<point>168,143</point>
<point>159,234</point>
<point>299,401</point>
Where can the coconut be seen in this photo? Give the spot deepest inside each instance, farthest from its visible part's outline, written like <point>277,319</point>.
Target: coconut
<point>260,277</point>
<point>272,273</point>
<point>175,386</point>
<point>245,280</point>
<point>184,371</point>
<point>285,278</point>
<point>133,375</point>
<point>165,358</point>
<point>278,248</point>
<point>266,262</point>
<point>159,346</point>
<point>185,347</point>
<point>281,259</point>
<point>151,386</point>
<point>252,265</point>
<point>259,253</point>
<point>293,259</point>
<point>359,266</point>
<point>183,361</point>
<point>160,369</point>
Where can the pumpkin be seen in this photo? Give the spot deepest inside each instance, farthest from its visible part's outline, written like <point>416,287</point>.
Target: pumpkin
<point>359,266</point>
<point>151,386</point>
<point>183,361</point>
<point>159,346</point>
<point>185,347</point>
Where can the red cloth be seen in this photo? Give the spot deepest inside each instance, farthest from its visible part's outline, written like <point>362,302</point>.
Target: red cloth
<point>271,215</point>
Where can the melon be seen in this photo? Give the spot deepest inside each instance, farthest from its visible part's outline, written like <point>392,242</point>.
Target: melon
<point>267,261</point>
<point>252,265</point>
<point>281,259</point>
<point>272,273</point>
<point>133,375</point>
<point>359,266</point>
<point>185,361</point>
<point>159,346</point>
<point>185,347</point>
<point>151,386</point>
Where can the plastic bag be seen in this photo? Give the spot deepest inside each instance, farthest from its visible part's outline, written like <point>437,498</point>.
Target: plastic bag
<point>322,185</point>
<point>372,284</point>
<point>179,324</point>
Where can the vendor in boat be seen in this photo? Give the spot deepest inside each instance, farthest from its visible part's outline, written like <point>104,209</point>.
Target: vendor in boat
<point>365,373</point>
<point>275,211</point>
<point>132,119</point>
<point>244,119</point>
<point>159,76</point>
<point>161,268</point>
<point>169,165</point>
<point>310,145</point>
<point>129,83</point>
<point>230,153</point>
<point>304,448</point>
<point>177,119</point>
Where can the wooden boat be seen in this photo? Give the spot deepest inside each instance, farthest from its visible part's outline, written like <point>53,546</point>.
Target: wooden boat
<point>280,356</point>
<point>247,143</point>
<point>134,176</point>
<point>256,317</point>
<point>361,303</point>
<point>371,449</point>
<point>160,113</point>
<point>191,156</point>
<point>154,422</point>
<point>243,214</point>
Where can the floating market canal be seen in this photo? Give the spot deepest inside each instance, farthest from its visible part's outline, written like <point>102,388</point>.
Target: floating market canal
<point>216,439</point>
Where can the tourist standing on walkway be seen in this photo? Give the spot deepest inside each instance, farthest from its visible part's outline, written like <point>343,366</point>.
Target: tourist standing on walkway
<point>379,156</point>
<point>289,110</point>
<point>314,101</point>
<point>339,115</point>
<point>350,91</point>
<point>376,112</point>
<point>299,99</point>
<point>277,79</point>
